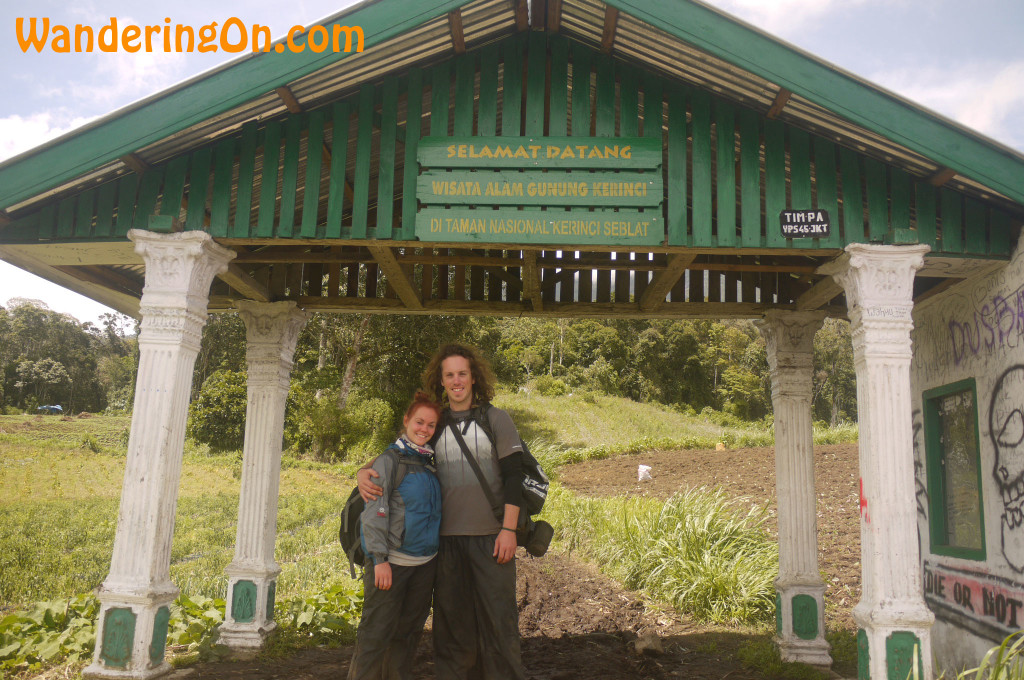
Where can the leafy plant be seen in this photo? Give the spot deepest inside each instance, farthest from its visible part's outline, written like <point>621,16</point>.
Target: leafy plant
<point>698,551</point>
<point>217,417</point>
<point>49,632</point>
<point>551,387</point>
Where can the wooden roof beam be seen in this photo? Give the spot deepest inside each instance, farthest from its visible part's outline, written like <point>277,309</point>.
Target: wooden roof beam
<point>555,278</point>
<point>656,292</point>
<point>288,98</point>
<point>554,22</point>
<point>941,176</point>
<point>135,163</point>
<point>522,14</point>
<point>611,23</point>
<point>941,287</point>
<point>240,280</point>
<point>106,277</point>
<point>455,28</point>
<point>531,280</point>
<point>781,99</point>
<point>818,294</point>
<point>400,282</point>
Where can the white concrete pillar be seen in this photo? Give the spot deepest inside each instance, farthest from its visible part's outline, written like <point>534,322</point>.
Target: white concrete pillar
<point>892,615</point>
<point>136,595</point>
<point>799,590</point>
<point>272,329</point>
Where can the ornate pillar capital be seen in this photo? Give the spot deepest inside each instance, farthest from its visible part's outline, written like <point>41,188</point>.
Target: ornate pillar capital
<point>179,270</point>
<point>879,285</point>
<point>789,337</point>
<point>271,332</point>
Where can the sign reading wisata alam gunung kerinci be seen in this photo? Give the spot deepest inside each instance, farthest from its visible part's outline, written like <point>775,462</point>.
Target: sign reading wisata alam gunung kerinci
<point>558,190</point>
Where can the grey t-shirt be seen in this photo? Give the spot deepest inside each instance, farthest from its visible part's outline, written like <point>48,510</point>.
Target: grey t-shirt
<point>465,510</point>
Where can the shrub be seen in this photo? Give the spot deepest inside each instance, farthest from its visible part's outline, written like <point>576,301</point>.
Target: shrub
<point>317,427</point>
<point>551,387</point>
<point>600,376</point>
<point>217,416</point>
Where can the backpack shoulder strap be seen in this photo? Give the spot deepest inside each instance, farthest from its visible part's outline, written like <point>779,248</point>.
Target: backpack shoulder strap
<point>481,415</point>
<point>403,465</point>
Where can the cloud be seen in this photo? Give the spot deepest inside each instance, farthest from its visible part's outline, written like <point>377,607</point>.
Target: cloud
<point>21,133</point>
<point>785,17</point>
<point>985,96</point>
<point>121,77</point>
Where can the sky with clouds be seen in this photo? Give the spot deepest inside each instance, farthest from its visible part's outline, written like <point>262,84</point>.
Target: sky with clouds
<point>962,60</point>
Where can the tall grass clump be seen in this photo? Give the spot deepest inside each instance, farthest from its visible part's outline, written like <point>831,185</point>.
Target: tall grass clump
<point>698,550</point>
<point>1004,661</point>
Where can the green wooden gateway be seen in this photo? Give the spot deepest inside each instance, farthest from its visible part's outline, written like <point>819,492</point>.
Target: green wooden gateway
<point>585,158</point>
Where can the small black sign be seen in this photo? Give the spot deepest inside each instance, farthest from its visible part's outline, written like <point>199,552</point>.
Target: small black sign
<point>805,223</point>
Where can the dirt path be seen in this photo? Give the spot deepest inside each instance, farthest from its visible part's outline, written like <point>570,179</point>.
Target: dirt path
<point>577,623</point>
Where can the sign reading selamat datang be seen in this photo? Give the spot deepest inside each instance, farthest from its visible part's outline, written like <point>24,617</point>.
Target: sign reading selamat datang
<point>558,190</point>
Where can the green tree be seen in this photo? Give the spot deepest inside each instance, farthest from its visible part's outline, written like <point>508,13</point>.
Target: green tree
<point>40,379</point>
<point>835,382</point>
<point>217,416</point>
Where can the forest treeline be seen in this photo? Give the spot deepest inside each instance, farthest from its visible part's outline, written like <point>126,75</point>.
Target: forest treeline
<point>353,373</point>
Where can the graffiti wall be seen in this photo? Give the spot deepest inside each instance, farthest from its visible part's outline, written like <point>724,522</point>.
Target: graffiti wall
<point>976,331</point>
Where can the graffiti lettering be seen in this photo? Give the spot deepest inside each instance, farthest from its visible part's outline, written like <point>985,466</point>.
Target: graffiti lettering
<point>999,323</point>
<point>920,490</point>
<point>1006,431</point>
<point>958,594</point>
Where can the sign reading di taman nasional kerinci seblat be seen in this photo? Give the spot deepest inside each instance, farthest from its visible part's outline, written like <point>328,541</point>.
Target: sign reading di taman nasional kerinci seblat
<point>558,190</point>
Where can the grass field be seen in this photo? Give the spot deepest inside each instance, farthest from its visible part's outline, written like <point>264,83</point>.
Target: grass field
<point>60,484</point>
<point>61,478</point>
<point>59,502</point>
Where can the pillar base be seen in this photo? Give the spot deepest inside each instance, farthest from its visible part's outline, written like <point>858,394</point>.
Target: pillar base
<point>131,635</point>
<point>249,618</point>
<point>886,641</point>
<point>801,626</point>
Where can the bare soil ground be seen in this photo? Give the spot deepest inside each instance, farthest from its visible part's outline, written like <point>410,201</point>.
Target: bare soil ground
<point>577,623</point>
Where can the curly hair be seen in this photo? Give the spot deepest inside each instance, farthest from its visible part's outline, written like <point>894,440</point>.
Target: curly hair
<point>483,377</point>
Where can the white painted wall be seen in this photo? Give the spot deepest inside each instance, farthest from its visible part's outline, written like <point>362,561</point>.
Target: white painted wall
<point>976,330</point>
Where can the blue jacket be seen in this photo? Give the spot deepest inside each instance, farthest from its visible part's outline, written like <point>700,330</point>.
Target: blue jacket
<point>406,519</point>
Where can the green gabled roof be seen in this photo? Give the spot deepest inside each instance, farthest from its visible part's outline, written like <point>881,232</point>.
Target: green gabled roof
<point>199,99</point>
<point>852,98</point>
<point>309,167</point>
<point>389,24</point>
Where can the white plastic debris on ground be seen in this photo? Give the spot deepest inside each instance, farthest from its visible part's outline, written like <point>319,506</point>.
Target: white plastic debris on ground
<point>643,473</point>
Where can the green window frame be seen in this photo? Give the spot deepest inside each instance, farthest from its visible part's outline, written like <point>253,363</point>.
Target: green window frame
<point>956,513</point>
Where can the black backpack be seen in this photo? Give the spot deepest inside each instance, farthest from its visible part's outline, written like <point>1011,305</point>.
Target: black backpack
<point>351,531</point>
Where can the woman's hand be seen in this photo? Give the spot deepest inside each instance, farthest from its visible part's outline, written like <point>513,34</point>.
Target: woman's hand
<point>382,576</point>
<point>367,489</point>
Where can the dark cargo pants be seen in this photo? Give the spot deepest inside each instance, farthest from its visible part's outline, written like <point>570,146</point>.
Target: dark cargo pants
<point>392,623</point>
<point>476,618</point>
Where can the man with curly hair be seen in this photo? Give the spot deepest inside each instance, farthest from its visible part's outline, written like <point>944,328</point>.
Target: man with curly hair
<point>476,620</point>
